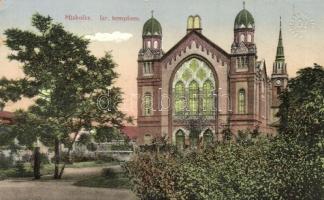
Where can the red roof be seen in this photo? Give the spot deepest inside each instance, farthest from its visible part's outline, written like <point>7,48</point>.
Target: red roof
<point>7,115</point>
<point>131,131</point>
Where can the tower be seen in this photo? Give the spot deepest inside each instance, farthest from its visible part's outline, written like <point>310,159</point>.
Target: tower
<point>148,79</point>
<point>244,28</point>
<point>279,76</point>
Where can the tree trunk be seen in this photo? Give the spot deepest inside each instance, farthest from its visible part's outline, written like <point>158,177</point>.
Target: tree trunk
<point>57,158</point>
<point>37,163</point>
<point>68,153</point>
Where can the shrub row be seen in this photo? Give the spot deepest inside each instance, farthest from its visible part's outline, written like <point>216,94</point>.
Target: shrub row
<point>262,169</point>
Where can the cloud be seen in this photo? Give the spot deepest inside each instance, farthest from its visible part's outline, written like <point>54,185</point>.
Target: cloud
<point>115,36</point>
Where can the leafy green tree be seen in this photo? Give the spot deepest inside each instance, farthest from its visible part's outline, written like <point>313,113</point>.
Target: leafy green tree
<point>302,110</point>
<point>72,89</point>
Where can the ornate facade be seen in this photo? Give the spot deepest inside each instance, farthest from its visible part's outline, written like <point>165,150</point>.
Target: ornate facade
<point>198,78</point>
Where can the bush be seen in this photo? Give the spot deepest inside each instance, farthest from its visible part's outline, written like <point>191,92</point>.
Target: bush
<point>6,161</point>
<point>44,159</point>
<point>105,158</point>
<point>121,147</point>
<point>260,169</point>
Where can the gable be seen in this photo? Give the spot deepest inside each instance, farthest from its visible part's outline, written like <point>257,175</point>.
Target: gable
<point>200,41</point>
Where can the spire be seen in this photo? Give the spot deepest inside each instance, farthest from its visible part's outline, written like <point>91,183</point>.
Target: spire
<point>280,49</point>
<point>152,13</point>
<point>243,4</point>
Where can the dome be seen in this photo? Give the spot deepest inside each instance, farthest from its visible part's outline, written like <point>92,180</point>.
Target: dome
<point>244,19</point>
<point>152,27</point>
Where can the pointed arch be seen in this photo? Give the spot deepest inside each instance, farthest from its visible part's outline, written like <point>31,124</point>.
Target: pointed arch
<point>193,97</point>
<point>147,139</point>
<point>241,101</point>
<point>179,98</point>
<point>208,137</point>
<point>180,139</point>
<point>208,97</point>
<point>148,104</point>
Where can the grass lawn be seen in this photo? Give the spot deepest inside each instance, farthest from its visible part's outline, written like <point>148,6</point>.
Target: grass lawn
<point>91,164</point>
<point>49,169</point>
<point>118,180</point>
<point>105,182</point>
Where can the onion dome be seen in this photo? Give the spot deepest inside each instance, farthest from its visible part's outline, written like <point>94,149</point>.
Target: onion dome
<point>244,19</point>
<point>152,27</point>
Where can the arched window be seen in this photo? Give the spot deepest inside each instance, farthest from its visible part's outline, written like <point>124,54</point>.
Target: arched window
<point>208,97</point>
<point>156,44</point>
<point>147,139</point>
<point>208,137</point>
<point>180,139</point>
<point>147,103</point>
<point>193,97</point>
<point>179,98</point>
<point>192,76</point>
<point>193,140</point>
<point>242,38</point>
<point>249,38</point>
<point>148,44</point>
<point>241,101</point>
<point>238,60</point>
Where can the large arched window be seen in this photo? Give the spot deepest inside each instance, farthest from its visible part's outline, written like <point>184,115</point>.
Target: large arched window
<point>180,139</point>
<point>208,97</point>
<point>147,104</point>
<point>193,87</point>
<point>193,97</point>
<point>241,101</point>
<point>179,98</point>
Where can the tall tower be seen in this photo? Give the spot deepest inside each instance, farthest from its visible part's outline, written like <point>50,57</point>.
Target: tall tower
<point>279,76</point>
<point>244,28</point>
<point>148,80</point>
<point>243,73</point>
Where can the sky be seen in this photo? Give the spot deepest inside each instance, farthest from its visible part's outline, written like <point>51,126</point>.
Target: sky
<point>302,27</point>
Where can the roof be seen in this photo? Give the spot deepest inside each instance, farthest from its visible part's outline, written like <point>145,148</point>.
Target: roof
<point>200,36</point>
<point>152,27</point>
<point>6,117</point>
<point>244,19</point>
<point>6,114</point>
<point>131,131</point>
<point>280,55</point>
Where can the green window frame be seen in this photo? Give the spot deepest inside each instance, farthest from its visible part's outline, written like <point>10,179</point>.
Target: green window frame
<point>208,137</point>
<point>241,101</point>
<point>179,98</point>
<point>193,97</point>
<point>208,97</point>
<point>147,104</point>
<point>180,139</point>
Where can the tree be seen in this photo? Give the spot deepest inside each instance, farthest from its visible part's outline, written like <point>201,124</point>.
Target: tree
<point>301,112</point>
<point>73,90</point>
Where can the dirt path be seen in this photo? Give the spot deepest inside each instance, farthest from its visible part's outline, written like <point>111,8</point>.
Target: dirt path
<point>48,189</point>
